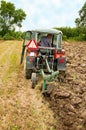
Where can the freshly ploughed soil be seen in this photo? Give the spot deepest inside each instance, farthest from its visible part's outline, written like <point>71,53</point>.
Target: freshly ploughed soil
<point>68,100</point>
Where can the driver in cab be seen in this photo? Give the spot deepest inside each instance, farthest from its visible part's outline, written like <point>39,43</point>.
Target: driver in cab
<point>46,41</point>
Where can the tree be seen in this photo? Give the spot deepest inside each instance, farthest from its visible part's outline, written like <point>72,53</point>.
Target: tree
<point>10,17</point>
<point>81,22</point>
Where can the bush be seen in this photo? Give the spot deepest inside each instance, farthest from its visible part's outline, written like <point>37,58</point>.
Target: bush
<point>1,38</point>
<point>7,36</point>
<point>16,35</point>
<point>81,37</point>
<point>13,36</point>
<point>64,37</point>
<point>78,33</point>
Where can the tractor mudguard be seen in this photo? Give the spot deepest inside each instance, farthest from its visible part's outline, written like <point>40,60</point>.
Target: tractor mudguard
<point>61,63</point>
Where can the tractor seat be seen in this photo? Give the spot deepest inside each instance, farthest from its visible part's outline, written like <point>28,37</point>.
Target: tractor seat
<point>45,50</point>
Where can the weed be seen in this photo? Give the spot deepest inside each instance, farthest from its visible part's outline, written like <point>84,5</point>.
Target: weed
<point>15,127</point>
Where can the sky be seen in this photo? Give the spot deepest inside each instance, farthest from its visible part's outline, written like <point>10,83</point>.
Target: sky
<point>49,13</point>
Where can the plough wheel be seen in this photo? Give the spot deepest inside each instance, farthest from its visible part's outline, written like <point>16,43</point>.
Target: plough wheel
<point>34,79</point>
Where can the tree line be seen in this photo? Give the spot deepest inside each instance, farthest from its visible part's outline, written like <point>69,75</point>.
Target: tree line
<point>77,33</point>
<point>10,18</point>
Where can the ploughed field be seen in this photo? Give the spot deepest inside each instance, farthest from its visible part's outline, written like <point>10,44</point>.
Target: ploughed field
<point>68,100</point>
<point>24,108</point>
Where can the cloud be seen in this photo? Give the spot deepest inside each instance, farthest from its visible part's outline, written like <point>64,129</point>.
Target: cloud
<point>49,13</point>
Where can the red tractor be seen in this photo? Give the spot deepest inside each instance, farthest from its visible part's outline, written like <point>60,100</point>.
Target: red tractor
<point>49,61</point>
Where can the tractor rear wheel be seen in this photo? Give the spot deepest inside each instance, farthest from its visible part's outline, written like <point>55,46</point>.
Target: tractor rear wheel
<point>27,71</point>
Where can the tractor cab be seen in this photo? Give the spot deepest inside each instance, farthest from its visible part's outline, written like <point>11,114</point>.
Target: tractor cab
<point>37,35</point>
<point>40,57</point>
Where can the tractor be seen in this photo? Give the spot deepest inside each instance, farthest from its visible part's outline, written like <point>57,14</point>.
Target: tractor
<point>49,62</point>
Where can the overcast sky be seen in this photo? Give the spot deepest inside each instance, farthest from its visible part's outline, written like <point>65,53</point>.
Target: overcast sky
<point>49,13</point>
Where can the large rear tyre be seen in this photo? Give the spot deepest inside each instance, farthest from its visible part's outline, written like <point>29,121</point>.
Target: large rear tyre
<point>28,72</point>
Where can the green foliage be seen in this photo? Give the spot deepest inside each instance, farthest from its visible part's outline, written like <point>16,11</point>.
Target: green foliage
<point>10,17</point>
<point>16,35</point>
<point>81,21</point>
<point>64,37</point>
<point>15,127</point>
<point>1,38</point>
<point>78,33</point>
<point>12,36</point>
<point>7,36</point>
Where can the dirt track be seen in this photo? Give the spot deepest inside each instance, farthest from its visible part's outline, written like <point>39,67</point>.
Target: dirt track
<point>23,108</point>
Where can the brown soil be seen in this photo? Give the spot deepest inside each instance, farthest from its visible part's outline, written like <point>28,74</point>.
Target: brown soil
<point>24,108</point>
<point>68,100</point>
